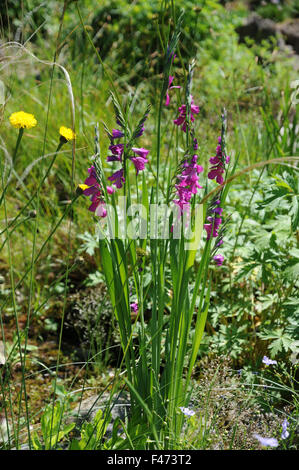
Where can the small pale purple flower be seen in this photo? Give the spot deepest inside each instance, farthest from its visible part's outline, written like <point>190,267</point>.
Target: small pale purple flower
<point>266,441</point>
<point>134,307</point>
<point>268,361</point>
<point>187,411</point>
<point>285,433</point>
<point>219,259</point>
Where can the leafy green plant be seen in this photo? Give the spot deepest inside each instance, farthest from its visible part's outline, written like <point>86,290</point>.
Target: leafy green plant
<point>92,433</point>
<point>52,430</point>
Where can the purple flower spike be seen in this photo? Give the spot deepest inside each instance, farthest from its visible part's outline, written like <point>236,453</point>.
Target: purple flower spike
<point>268,361</point>
<point>218,163</point>
<point>181,120</point>
<point>188,184</point>
<point>213,224</point>
<point>187,411</point>
<point>216,173</point>
<point>266,441</point>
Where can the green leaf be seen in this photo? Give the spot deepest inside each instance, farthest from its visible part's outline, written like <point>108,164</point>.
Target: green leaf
<point>36,442</point>
<point>198,229</point>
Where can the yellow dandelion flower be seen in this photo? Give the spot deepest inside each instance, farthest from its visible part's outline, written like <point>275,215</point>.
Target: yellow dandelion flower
<point>22,120</point>
<point>66,134</point>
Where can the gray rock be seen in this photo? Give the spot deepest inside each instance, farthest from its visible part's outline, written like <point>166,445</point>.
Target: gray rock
<point>119,408</point>
<point>257,27</point>
<point>290,31</point>
<point>260,28</point>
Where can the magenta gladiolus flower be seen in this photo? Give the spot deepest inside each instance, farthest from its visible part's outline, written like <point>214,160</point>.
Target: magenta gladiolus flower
<point>141,159</point>
<point>219,259</point>
<point>120,153</point>
<point>117,178</point>
<point>170,80</point>
<point>96,200</point>
<point>100,210</point>
<point>134,307</point>
<point>141,152</point>
<point>91,181</point>
<point>214,219</point>
<point>139,163</point>
<point>116,134</point>
<point>181,120</point>
<point>110,190</point>
<point>213,224</point>
<point>98,205</point>
<point>218,163</point>
<point>117,149</point>
<point>187,183</point>
<point>94,191</point>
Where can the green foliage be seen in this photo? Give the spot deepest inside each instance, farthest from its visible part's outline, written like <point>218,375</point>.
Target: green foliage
<point>52,429</point>
<point>264,314</point>
<point>284,186</point>
<point>279,11</point>
<point>280,341</point>
<point>91,433</point>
